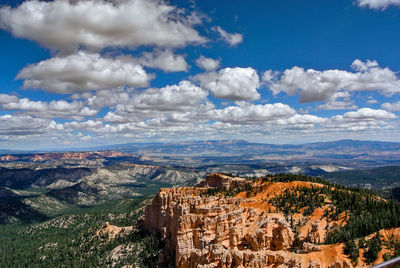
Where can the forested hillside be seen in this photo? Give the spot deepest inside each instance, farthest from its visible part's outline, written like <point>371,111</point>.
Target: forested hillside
<point>72,240</point>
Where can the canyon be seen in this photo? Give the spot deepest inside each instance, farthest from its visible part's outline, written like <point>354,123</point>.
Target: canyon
<point>231,222</point>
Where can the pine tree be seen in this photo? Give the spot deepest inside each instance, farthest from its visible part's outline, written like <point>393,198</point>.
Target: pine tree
<point>374,247</point>
<point>351,249</point>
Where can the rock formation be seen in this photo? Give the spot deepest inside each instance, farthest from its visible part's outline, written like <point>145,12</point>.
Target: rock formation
<point>207,230</point>
<point>111,231</point>
<point>212,230</point>
<point>223,182</point>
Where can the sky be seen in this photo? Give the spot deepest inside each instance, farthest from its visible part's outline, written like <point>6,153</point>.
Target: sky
<point>83,73</point>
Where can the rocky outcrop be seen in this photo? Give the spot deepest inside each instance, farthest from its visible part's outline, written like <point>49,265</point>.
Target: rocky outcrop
<point>75,155</point>
<point>314,234</point>
<point>8,158</point>
<point>309,247</point>
<point>112,231</point>
<point>64,156</point>
<point>206,229</point>
<point>223,182</point>
<point>209,230</point>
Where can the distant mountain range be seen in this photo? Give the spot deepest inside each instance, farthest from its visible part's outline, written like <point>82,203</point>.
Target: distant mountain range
<point>240,151</point>
<point>353,153</point>
<point>241,146</point>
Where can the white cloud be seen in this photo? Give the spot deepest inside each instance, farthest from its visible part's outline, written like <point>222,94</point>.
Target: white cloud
<point>164,60</point>
<point>393,107</point>
<point>372,101</point>
<point>314,85</point>
<point>378,4</point>
<point>339,101</point>
<point>169,98</point>
<point>304,119</point>
<point>231,39</point>
<point>251,114</point>
<point>111,117</point>
<point>5,98</point>
<point>338,105</point>
<point>25,125</point>
<point>83,72</point>
<point>366,114</point>
<point>364,120</point>
<point>107,98</point>
<point>154,102</point>
<point>272,121</point>
<point>235,84</point>
<point>89,125</point>
<point>54,109</point>
<point>207,64</point>
<point>65,25</point>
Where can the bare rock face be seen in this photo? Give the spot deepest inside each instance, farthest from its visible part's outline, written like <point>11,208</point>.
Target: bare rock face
<point>203,230</point>
<point>111,231</point>
<point>223,182</point>
<point>309,247</point>
<point>212,231</point>
<point>314,236</point>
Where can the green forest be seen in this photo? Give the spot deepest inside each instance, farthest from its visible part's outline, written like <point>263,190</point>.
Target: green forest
<point>70,240</point>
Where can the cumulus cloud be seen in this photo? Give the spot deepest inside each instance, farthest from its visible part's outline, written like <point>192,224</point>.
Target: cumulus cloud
<point>65,25</point>
<point>25,125</point>
<point>169,98</point>
<point>378,4</point>
<point>83,72</point>
<point>314,85</point>
<point>366,114</point>
<point>154,102</point>
<point>165,60</point>
<point>251,114</point>
<point>54,109</point>
<point>106,98</point>
<point>339,101</point>
<point>232,39</point>
<point>236,84</point>
<point>304,119</point>
<point>207,64</point>
<point>393,107</point>
<point>361,120</point>
<point>90,125</point>
<point>274,120</point>
<point>5,98</point>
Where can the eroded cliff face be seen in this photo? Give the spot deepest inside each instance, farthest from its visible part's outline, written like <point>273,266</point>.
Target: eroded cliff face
<point>213,231</point>
<point>223,182</point>
<point>203,230</point>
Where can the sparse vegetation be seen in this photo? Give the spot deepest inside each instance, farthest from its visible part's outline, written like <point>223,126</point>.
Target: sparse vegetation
<point>365,211</point>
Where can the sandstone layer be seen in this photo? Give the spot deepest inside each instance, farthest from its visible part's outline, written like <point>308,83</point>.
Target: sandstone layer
<point>203,230</point>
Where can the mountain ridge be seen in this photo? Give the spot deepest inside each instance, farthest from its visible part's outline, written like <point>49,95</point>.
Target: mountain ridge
<point>222,141</point>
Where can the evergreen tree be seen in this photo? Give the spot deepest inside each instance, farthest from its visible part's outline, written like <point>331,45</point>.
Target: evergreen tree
<point>374,247</point>
<point>351,249</point>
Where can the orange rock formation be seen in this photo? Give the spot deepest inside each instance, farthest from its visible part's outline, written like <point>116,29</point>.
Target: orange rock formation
<point>219,231</point>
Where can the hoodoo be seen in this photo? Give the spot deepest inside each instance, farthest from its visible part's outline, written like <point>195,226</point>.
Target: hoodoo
<point>234,222</point>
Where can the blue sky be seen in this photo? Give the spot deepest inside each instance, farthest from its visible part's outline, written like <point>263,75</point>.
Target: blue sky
<point>92,72</point>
